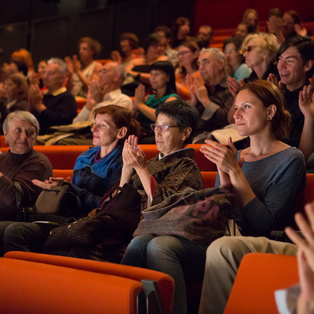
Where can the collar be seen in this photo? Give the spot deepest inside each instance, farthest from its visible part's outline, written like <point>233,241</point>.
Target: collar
<point>222,83</point>
<point>113,94</point>
<point>161,156</point>
<point>56,92</point>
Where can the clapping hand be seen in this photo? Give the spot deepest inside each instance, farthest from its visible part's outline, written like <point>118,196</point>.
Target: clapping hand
<point>234,85</point>
<point>132,154</point>
<point>139,96</point>
<point>306,101</point>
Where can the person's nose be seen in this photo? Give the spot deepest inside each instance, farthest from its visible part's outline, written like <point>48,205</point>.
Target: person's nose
<point>23,135</point>
<point>236,113</point>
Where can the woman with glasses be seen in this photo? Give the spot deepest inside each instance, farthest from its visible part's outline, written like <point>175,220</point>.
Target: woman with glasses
<point>259,51</point>
<point>235,65</point>
<point>163,83</point>
<point>188,56</point>
<point>172,171</point>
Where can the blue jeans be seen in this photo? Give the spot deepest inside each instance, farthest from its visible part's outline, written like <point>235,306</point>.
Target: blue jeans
<point>180,258</point>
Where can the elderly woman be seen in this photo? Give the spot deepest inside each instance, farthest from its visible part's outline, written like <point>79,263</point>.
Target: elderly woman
<point>260,52</point>
<point>235,65</point>
<point>14,94</point>
<point>174,126</point>
<point>94,173</point>
<point>20,164</point>
<point>261,176</point>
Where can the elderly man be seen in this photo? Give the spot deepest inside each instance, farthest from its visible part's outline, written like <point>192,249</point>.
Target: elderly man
<point>20,165</point>
<point>56,106</point>
<point>204,36</point>
<point>212,99</point>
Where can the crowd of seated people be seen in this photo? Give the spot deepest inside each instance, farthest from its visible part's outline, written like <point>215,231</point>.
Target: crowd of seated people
<point>179,90</point>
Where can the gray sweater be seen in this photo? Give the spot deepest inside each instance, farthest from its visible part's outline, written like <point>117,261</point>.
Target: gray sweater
<point>277,181</point>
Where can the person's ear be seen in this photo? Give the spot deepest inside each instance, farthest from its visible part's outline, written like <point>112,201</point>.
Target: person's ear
<point>271,111</point>
<point>309,65</point>
<point>186,133</point>
<point>122,132</point>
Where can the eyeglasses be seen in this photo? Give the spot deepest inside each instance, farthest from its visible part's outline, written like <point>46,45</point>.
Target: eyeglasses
<point>182,53</point>
<point>162,127</point>
<point>232,51</point>
<point>250,48</point>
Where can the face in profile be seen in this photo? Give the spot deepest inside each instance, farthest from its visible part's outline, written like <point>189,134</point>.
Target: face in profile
<point>20,136</point>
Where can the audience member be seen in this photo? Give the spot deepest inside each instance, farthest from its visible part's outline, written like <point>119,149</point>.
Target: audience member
<point>24,56</point>
<point>291,25</point>
<point>13,95</point>
<point>81,72</point>
<point>180,31</point>
<point>165,33</point>
<point>212,99</point>
<point>250,18</point>
<point>188,56</point>
<point>235,65</point>
<point>16,67</point>
<point>241,31</point>
<point>163,83</point>
<point>95,172</point>
<point>204,36</point>
<point>274,24</point>
<point>258,175</point>
<point>20,165</point>
<point>128,43</point>
<point>56,106</point>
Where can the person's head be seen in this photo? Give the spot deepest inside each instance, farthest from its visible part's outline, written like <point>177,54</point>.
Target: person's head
<point>20,129</point>
<point>162,75</point>
<point>211,62</point>
<point>112,125</point>
<point>152,46</point>
<point>165,33</point>
<point>188,55</point>
<point>289,19</point>
<point>250,17</point>
<point>205,33</point>
<point>88,48</point>
<point>112,74</point>
<point>181,28</point>
<point>241,31</point>
<point>275,12</point>
<point>41,68</point>
<point>24,56</point>
<point>18,67</point>
<point>231,47</point>
<point>175,125</point>
<point>296,61</point>
<point>259,108</point>
<point>54,74</point>
<point>260,48</point>
<point>128,42</point>
<point>15,87</point>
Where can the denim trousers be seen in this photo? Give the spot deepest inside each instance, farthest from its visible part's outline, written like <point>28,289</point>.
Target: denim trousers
<point>178,257</point>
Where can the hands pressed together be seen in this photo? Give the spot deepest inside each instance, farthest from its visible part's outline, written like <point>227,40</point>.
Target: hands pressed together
<point>139,96</point>
<point>132,154</point>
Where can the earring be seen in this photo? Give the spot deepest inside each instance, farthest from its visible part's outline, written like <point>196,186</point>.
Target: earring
<point>269,118</point>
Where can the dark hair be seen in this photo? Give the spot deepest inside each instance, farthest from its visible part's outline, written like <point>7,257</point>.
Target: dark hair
<point>166,67</point>
<point>237,43</point>
<point>165,29</point>
<point>121,117</point>
<point>184,115</point>
<point>132,38</point>
<point>275,12</point>
<point>93,45</point>
<point>193,46</point>
<point>152,40</point>
<point>179,21</point>
<point>295,16</point>
<point>21,67</point>
<point>269,94</point>
<point>305,47</point>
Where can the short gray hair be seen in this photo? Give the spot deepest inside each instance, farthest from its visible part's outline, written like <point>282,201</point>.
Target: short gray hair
<point>120,69</point>
<point>215,52</point>
<point>21,115</point>
<point>61,63</point>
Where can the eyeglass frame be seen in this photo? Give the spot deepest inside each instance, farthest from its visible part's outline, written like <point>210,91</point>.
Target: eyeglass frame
<point>162,127</point>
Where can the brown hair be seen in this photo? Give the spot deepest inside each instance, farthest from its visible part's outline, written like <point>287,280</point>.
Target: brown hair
<point>132,38</point>
<point>269,94</point>
<point>20,81</point>
<point>193,46</point>
<point>121,117</point>
<point>93,44</point>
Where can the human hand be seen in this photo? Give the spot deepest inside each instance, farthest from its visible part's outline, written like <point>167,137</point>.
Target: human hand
<point>299,30</point>
<point>48,184</point>
<point>234,85</point>
<point>273,79</point>
<point>132,154</point>
<point>35,96</point>
<point>139,96</point>
<point>190,83</point>
<point>201,91</point>
<point>98,92</point>
<point>223,157</point>
<point>306,101</point>
<point>115,56</point>
<point>69,64</point>
<point>76,64</point>
<point>33,78</point>
<point>2,93</point>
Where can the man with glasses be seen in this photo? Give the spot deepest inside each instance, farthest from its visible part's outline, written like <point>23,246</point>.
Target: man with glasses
<point>20,165</point>
<point>212,99</point>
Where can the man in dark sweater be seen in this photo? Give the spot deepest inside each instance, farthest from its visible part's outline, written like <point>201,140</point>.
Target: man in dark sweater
<point>56,106</point>
<point>20,165</point>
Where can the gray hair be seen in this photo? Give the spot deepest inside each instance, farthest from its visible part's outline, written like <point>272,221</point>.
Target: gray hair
<point>215,52</point>
<point>120,69</point>
<point>21,115</point>
<point>61,63</point>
